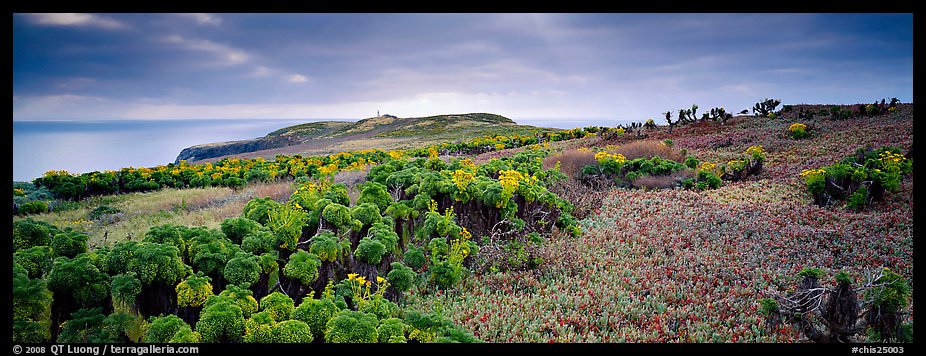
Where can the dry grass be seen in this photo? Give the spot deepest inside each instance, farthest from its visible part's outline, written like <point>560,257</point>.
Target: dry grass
<point>352,177</point>
<point>484,158</point>
<point>142,211</point>
<point>571,161</point>
<point>665,181</point>
<point>279,191</point>
<point>584,198</point>
<point>650,148</point>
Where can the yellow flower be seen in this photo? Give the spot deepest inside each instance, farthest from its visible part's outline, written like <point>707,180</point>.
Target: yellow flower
<point>380,280</point>
<point>810,172</point>
<point>604,156</point>
<point>351,276</point>
<point>465,234</point>
<point>757,149</point>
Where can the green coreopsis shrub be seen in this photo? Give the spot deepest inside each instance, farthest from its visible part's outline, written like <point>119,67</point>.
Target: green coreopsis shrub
<point>193,291</point>
<point>337,214</point>
<point>242,269</point>
<point>235,229</point>
<point>367,213</point>
<point>316,313</point>
<point>35,260</point>
<point>125,290</point>
<point>302,266</point>
<point>370,250</point>
<point>69,243</point>
<point>391,329</point>
<point>257,329</point>
<point>257,209</point>
<point>220,321</point>
<point>29,233</point>
<point>375,193</point>
<point>162,328</point>
<point>278,305</point>
<point>401,277</point>
<point>242,297</point>
<point>350,326</point>
<point>325,246</point>
<point>291,331</point>
<point>414,258</point>
<point>31,305</point>
<point>33,207</point>
<point>80,279</point>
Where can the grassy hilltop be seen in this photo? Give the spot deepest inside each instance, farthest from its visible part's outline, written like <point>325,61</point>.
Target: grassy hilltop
<point>384,132</point>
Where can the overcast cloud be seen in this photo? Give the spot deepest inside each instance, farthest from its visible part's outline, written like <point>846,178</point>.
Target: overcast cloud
<point>567,66</point>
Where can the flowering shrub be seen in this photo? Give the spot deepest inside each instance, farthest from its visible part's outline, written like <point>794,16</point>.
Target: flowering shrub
<point>462,180</point>
<point>860,179</point>
<point>798,131</point>
<point>815,180</point>
<point>707,167</point>
<point>747,165</point>
<point>629,172</point>
<point>508,179</point>
<point>228,172</point>
<point>757,153</point>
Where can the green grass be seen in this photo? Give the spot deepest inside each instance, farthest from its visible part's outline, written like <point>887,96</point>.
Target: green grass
<point>311,129</point>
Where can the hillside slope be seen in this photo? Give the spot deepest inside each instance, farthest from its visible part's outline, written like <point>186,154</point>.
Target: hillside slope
<point>384,132</point>
<point>651,265</point>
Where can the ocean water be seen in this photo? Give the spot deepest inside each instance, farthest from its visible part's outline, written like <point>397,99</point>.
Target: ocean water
<point>87,146</point>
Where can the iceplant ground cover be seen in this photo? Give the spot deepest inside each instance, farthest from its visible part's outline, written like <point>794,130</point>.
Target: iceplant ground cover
<point>684,266</point>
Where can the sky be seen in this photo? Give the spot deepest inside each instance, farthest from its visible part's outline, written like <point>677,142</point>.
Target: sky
<point>532,66</point>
